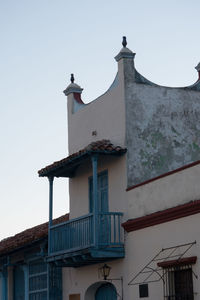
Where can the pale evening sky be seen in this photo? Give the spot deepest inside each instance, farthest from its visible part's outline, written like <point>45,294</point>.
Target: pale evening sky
<point>42,43</point>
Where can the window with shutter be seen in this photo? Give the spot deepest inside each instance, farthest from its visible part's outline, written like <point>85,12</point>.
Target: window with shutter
<point>38,280</point>
<point>102,192</point>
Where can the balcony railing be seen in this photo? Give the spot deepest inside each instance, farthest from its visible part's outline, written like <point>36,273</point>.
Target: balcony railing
<point>78,234</point>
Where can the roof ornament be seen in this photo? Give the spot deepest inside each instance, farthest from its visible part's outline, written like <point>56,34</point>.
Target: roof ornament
<point>124,42</point>
<point>124,52</point>
<point>198,70</point>
<point>72,78</point>
<point>198,67</point>
<point>73,87</point>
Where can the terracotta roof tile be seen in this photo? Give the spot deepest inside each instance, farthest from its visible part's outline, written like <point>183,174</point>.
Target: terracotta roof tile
<point>28,236</point>
<point>102,146</point>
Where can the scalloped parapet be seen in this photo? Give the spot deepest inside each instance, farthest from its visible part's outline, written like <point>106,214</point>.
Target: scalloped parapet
<point>141,79</point>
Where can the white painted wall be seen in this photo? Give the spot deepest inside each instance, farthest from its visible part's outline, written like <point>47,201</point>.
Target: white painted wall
<point>144,244</point>
<point>141,247</point>
<point>169,191</point>
<point>106,115</point>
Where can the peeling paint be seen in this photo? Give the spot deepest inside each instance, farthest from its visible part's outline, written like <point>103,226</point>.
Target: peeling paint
<point>162,128</point>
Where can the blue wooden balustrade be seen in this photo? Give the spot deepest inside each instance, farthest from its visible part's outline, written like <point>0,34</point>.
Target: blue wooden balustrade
<point>77,234</point>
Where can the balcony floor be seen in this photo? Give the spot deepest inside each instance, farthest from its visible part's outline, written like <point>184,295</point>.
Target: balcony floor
<point>86,256</point>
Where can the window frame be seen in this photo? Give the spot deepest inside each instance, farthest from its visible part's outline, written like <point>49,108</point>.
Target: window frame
<point>99,174</point>
<point>171,285</point>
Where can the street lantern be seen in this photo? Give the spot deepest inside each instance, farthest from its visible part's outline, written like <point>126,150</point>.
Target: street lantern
<point>105,271</point>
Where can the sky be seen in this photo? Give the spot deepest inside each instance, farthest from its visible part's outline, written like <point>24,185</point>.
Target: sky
<point>41,43</point>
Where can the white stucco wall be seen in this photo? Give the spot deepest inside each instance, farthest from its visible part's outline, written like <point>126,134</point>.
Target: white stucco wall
<point>105,115</point>
<point>144,244</point>
<point>166,192</point>
<point>141,247</point>
<point>80,279</point>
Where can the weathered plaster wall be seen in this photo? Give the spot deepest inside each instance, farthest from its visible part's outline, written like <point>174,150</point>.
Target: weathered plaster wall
<point>162,128</point>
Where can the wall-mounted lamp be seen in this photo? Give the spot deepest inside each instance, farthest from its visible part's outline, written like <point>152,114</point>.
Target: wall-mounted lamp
<point>105,271</point>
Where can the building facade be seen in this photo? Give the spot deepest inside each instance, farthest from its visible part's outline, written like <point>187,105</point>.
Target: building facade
<point>133,164</point>
<point>133,169</point>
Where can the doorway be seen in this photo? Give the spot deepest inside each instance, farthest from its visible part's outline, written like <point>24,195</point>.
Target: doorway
<point>106,292</point>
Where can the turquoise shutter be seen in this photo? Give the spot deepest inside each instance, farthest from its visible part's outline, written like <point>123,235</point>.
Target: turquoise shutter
<point>90,195</point>
<point>38,280</point>
<point>102,192</point>
<point>55,280</point>
<point>19,283</point>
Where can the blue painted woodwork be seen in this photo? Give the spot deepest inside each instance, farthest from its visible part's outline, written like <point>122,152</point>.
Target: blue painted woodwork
<point>106,292</point>
<point>55,282</point>
<point>19,283</point>
<point>50,207</point>
<point>38,280</point>
<point>4,283</point>
<point>77,234</point>
<point>75,242</point>
<point>72,235</point>
<point>102,192</point>
<point>26,283</point>
<point>95,199</point>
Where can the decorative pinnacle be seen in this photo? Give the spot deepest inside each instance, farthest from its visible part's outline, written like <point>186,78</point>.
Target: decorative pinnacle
<point>72,78</point>
<point>198,67</point>
<point>124,42</point>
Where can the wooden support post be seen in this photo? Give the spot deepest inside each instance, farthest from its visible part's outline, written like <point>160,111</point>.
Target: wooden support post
<point>5,283</point>
<point>51,178</point>
<point>1,276</point>
<point>48,281</point>
<point>26,282</point>
<point>95,199</point>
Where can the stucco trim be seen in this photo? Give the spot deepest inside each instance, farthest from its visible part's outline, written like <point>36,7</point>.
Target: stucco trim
<point>178,262</point>
<point>164,175</point>
<point>163,216</point>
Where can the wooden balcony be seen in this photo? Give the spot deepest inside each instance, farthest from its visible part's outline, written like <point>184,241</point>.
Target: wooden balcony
<point>76,242</point>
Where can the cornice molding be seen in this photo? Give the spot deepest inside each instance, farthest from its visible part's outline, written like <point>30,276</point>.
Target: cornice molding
<point>163,216</point>
<point>178,262</point>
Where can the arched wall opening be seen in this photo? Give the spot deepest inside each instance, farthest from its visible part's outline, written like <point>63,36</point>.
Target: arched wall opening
<point>92,289</point>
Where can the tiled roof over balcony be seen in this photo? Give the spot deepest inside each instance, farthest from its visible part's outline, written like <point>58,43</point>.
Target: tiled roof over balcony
<point>66,166</point>
<point>28,236</point>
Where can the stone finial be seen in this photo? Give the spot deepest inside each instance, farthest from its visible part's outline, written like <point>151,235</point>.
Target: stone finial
<point>198,70</point>
<point>124,42</point>
<point>198,67</point>
<point>72,78</point>
<point>125,52</point>
<point>73,87</point>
